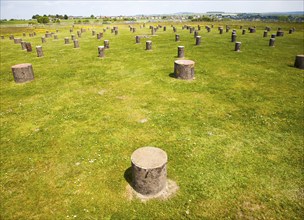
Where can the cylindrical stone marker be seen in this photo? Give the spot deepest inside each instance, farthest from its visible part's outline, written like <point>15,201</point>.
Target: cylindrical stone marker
<point>280,33</point>
<point>98,36</point>
<point>28,47</point>
<point>106,44</point>
<point>149,170</point>
<point>184,69</point>
<point>237,46</point>
<point>198,40</point>
<point>101,51</point>
<point>180,51</point>
<point>76,43</point>
<point>195,34</point>
<point>273,35</point>
<point>165,28</point>
<point>116,32</point>
<point>299,62</point>
<point>243,32</point>
<point>17,40</point>
<point>23,45</point>
<point>133,30</point>
<point>73,37</point>
<point>233,38</point>
<point>137,39</point>
<point>11,37</point>
<point>271,42</point>
<point>39,51</point>
<point>43,40</point>
<point>23,72</point>
<point>79,33</point>
<point>148,45</point>
<point>221,30</point>
<point>66,40</point>
<point>290,31</point>
<point>152,31</point>
<point>265,33</point>
<point>176,37</point>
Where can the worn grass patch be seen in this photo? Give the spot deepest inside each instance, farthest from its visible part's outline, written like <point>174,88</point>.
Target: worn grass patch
<point>234,135</point>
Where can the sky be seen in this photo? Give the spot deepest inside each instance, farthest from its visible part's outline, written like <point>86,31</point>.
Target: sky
<point>23,9</point>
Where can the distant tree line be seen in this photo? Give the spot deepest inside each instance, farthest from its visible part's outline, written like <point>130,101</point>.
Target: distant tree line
<point>44,19</point>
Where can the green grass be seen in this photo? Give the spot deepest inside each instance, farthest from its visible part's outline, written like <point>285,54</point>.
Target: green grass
<point>234,135</point>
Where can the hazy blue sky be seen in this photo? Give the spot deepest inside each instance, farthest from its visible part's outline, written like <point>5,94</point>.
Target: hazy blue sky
<point>25,9</point>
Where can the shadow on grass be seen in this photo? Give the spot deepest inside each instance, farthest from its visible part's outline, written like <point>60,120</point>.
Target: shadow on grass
<point>172,75</point>
<point>128,176</point>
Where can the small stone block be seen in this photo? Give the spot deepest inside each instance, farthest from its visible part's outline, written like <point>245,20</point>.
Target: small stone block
<point>23,72</point>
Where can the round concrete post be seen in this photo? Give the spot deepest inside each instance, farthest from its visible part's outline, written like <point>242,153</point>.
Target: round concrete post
<point>176,37</point>
<point>233,38</point>
<point>23,72</point>
<point>23,45</point>
<point>198,40</point>
<point>273,35</point>
<point>265,33</point>
<point>221,30</point>
<point>66,40</point>
<point>149,170</point>
<point>76,43</point>
<point>237,46</point>
<point>106,44</point>
<point>299,62</point>
<point>43,40</point>
<point>73,37</point>
<point>28,47</point>
<point>180,51</point>
<point>243,32</point>
<point>137,39</point>
<point>39,51</point>
<point>101,51</point>
<point>148,45</point>
<point>17,40</point>
<point>271,42</point>
<point>184,69</point>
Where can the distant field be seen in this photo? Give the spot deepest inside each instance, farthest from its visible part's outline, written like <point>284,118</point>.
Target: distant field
<point>233,135</point>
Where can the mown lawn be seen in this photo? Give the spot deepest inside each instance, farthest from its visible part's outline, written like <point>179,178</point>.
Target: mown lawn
<point>234,135</point>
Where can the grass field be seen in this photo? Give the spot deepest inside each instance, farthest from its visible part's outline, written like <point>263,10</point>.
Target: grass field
<point>234,135</point>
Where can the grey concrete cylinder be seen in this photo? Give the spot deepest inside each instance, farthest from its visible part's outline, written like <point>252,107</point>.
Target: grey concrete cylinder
<point>98,36</point>
<point>106,44</point>
<point>79,33</point>
<point>149,170</point>
<point>23,45</point>
<point>48,35</point>
<point>28,47</point>
<point>273,35</point>
<point>23,72</point>
<point>101,51</point>
<point>233,38</point>
<point>176,37</point>
<point>198,40</point>
<point>221,30</point>
<point>137,39</point>
<point>195,34</point>
<point>148,45</point>
<point>152,31</point>
<point>116,32</point>
<point>17,40</point>
<point>73,37</point>
<point>165,28</point>
<point>180,51</point>
<point>43,40</point>
<point>237,47</point>
<point>39,51</point>
<point>243,32</point>
<point>11,37</point>
<point>133,30</point>
<point>290,31</point>
<point>271,42</point>
<point>66,40</point>
<point>76,43</point>
<point>265,33</point>
<point>299,62</point>
<point>184,69</point>
<point>280,33</point>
